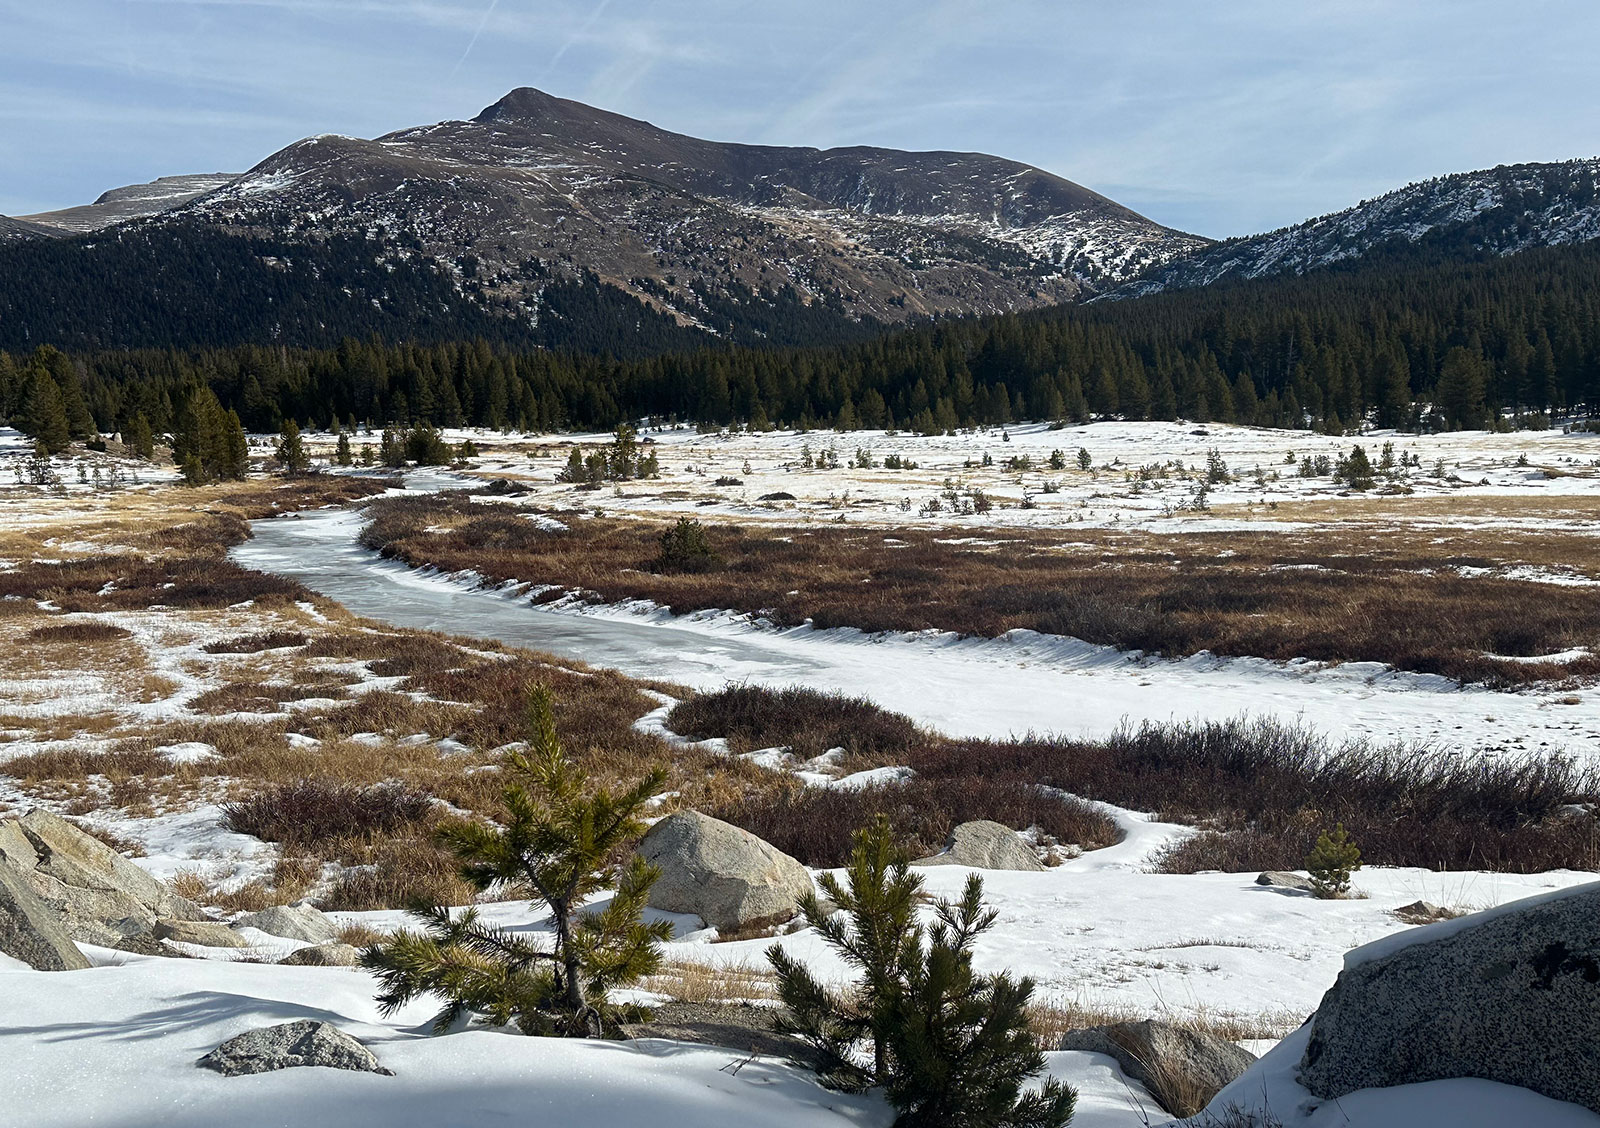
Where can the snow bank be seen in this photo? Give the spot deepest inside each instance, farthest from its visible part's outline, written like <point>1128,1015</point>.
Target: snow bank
<point>117,1046</point>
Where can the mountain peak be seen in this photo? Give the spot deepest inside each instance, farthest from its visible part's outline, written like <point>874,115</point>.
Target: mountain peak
<point>528,105</point>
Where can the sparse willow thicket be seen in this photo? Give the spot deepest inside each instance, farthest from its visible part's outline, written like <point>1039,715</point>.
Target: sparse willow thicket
<point>1414,601</point>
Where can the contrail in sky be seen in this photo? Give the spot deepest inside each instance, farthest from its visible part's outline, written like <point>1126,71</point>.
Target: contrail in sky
<point>483,23</point>
<point>594,18</point>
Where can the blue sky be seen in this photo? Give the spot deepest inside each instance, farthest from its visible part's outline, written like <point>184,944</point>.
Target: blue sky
<point>1223,117</point>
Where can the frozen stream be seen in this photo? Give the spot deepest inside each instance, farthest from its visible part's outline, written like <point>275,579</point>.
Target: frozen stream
<point>980,687</point>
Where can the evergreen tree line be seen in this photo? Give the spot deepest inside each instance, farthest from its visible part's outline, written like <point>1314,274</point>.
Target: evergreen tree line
<point>1470,340</point>
<point>186,285</point>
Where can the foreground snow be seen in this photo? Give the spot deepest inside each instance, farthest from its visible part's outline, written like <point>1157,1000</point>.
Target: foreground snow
<point>117,1046</point>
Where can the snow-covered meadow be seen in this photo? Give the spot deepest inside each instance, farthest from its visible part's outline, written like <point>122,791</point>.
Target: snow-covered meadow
<point>1100,933</point>
<point>1267,490</point>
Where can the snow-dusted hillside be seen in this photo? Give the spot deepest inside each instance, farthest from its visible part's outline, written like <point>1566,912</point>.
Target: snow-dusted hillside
<point>681,222</point>
<point>16,230</point>
<point>134,201</point>
<point>1500,211</point>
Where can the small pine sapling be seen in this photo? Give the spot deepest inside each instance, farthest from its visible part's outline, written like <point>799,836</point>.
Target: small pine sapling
<point>1331,862</point>
<point>565,839</point>
<point>948,1046</point>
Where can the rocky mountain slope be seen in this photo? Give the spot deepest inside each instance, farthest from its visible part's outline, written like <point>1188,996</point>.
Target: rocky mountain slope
<point>1496,211</point>
<point>18,230</point>
<point>135,201</point>
<point>538,186</point>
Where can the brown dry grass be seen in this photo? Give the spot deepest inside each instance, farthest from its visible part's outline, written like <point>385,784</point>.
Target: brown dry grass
<point>1053,1017</point>
<point>1366,590</point>
<point>689,982</point>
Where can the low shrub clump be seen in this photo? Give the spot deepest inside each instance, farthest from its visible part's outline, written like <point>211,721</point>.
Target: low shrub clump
<point>686,548</point>
<point>815,824</point>
<point>806,721</point>
<point>255,643</point>
<point>314,812</point>
<point>79,632</point>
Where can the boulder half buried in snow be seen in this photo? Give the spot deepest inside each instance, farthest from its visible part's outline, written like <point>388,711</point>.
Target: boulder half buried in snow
<point>324,955</point>
<point>1158,1054</point>
<point>721,873</point>
<point>206,933</point>
<point>293,922</point>
<point>1284,879</point>
<point>1510,995</point>
<point>985,845</point>
<point>293,1044</point>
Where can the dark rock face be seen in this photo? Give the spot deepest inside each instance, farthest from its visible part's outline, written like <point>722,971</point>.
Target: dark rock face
<point>1514,999</point>
<point>290,1045</point>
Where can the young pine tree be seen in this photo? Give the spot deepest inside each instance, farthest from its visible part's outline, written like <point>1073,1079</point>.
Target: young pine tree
<point>1331,862</point>
<point>566,840</point>
<point>341,455</point>
<point>950,1047</point>
<point>291,452</point>
<point>392,448</point>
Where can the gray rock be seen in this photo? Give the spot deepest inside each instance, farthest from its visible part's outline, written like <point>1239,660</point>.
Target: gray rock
<point>207,933</point>
<point>30,931</point>
<point>1424,912</point>
<point>985,845</point>
<point>721,873</point>
<point>290,1045</point>
<point>84,862</point>
<point>1153,1053</point>
<point>1513,997</point>
<point>324,955</point>
<point>94,916</point>
<point>293,922</point>
<point>15,846</point>
<point>1283,879</point>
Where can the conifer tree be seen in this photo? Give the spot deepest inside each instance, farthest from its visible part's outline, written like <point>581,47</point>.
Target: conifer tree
<point>1460,390</point>
<point>43,416</point>
<point>392,448</point>
<point>137,437</point>
<point>564,838</point>
<point>291,451</point>
<point>234,449</point>
<point>341,453</point>
<point>950,1047</point>
<point>1331,862</point>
